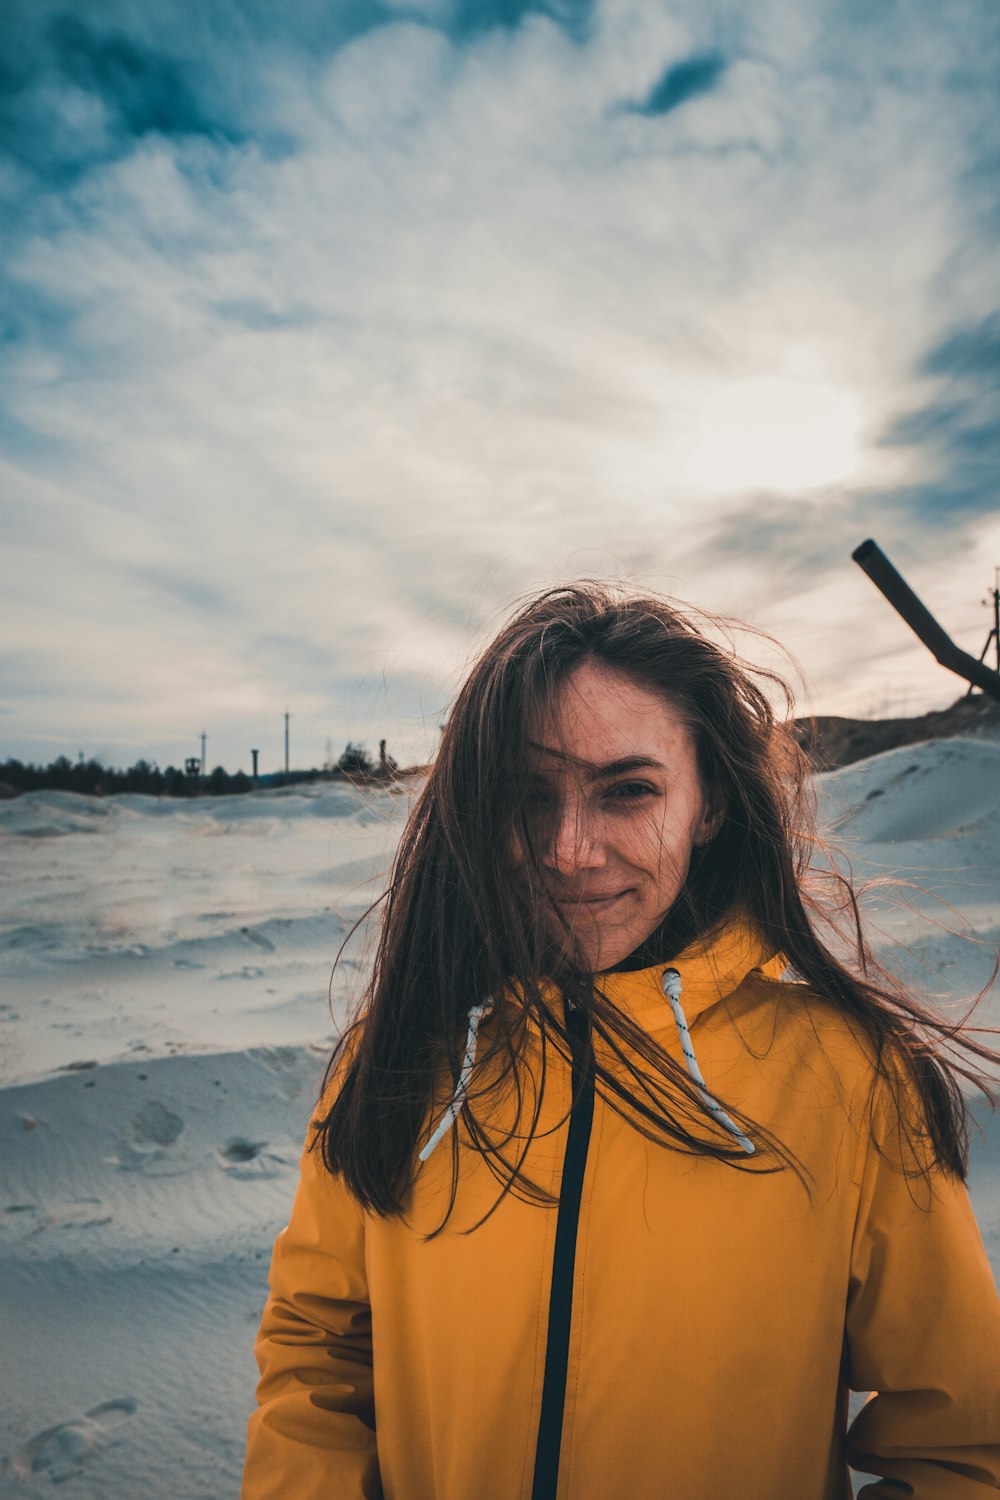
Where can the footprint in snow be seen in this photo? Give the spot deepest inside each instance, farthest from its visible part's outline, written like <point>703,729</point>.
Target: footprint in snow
<point>152,1130</point>
<point>83,1213</point>
<point>60,1452</point>
<point>257,939</point>
<point>155,1125</point>
<point>243,1158</point>
<point>238,1152</point>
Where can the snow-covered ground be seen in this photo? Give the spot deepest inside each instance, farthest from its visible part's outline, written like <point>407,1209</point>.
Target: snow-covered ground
<point>165,1015</point>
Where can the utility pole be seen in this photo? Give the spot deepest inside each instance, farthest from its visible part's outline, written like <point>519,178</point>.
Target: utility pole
<point>204,737</point>
<point>255,754</point>
<point>286,743</point>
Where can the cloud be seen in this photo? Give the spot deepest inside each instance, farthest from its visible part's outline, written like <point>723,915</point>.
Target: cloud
<point>73,94</point>
<point>955,431</point>
<point>75,90</point>
<point>30,674</point>
<point>146,90</point>
<point>471,17</point>
<point>192,593</point>
<point>969,353</point>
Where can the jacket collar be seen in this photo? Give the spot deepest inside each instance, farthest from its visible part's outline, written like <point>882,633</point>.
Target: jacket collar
<point>710,968</point>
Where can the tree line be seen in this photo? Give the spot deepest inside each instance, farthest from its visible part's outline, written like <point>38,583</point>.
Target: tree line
<point>93,778</point>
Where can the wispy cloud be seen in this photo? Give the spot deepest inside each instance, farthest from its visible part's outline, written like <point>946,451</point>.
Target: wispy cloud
<point>955,430</point>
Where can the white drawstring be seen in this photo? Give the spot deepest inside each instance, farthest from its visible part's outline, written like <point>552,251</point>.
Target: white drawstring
<point>451,1113</point>
<point>672,990</point>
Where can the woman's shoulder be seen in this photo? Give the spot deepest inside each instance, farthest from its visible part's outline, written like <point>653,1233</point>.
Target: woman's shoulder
<point>791,1022</point>
<point>798,1010</point>
<point>827,1086</point>
<point>869,1073</point>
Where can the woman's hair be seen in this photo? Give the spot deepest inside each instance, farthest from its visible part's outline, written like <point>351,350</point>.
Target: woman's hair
<point>461,924</point>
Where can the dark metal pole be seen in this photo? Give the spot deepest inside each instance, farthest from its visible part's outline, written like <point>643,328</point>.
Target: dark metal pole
<point>873,561</point>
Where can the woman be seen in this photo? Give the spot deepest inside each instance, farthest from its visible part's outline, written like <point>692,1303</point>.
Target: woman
<point>623,1178</point>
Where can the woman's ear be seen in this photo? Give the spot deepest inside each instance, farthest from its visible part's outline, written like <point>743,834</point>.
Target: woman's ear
<point>712,817</point>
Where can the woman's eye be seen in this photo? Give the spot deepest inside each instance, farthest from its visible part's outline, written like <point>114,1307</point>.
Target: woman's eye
<point>630,791</point>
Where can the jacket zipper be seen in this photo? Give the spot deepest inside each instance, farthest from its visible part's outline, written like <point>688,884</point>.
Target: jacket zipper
<point>563,1260</point>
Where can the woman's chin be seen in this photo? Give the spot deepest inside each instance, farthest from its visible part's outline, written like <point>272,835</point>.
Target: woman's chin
<point>594,945</point>
<point>596,954</point>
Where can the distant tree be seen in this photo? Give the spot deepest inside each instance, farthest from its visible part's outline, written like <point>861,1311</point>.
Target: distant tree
<point>142,777</point>
<point>175,783</point>
<point>218,782</point>
<point>354,761</point>
<point>88,777</point>
<point>61,775</point>
<point>16,774</point>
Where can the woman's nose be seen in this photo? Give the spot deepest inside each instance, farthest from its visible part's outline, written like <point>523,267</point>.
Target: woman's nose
<point>574,842</point>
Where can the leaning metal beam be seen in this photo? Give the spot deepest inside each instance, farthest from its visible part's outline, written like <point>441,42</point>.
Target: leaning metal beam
<point>873,561</point>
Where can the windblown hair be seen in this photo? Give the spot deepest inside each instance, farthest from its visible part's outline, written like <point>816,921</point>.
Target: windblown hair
<point>460,924</point>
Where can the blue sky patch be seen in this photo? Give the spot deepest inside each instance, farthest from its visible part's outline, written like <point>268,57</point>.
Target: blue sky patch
<point>683,81</point>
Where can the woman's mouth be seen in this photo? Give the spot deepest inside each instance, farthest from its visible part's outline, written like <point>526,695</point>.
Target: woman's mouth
<point>593,903</point>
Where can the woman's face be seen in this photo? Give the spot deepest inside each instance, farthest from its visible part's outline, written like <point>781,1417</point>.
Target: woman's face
<point>616,805</point>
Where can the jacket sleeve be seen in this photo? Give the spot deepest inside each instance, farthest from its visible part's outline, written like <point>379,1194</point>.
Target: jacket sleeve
<point>923,1334</point>
<point>312,1436</point>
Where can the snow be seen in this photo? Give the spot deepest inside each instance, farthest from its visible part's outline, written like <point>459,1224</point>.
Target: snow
<point>166,1013</point>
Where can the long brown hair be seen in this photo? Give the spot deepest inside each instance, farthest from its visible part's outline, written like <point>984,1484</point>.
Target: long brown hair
<point>458,927</point>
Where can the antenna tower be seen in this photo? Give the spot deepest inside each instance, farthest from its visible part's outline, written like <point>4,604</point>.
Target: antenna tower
<point>992,597</point>
<point>994,635</point>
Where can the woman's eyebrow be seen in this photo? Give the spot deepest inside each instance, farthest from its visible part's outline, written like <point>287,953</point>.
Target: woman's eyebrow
<point>600,772</point>
<point>628,763</point>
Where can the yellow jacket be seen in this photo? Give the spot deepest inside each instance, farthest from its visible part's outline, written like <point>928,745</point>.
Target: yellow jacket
<point>704,1324</point>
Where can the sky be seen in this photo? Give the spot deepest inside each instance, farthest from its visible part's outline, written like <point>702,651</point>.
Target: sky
<point>328,331</point>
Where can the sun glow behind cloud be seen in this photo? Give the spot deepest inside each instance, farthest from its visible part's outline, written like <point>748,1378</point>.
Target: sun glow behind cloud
<point>781,435</point>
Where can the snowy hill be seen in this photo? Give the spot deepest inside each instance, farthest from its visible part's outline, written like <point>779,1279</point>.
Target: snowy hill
<point>163,973</point>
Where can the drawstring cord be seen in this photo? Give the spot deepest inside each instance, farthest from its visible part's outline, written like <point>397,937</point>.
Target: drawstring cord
<point>451,1113</point>
<point>672,990</point>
